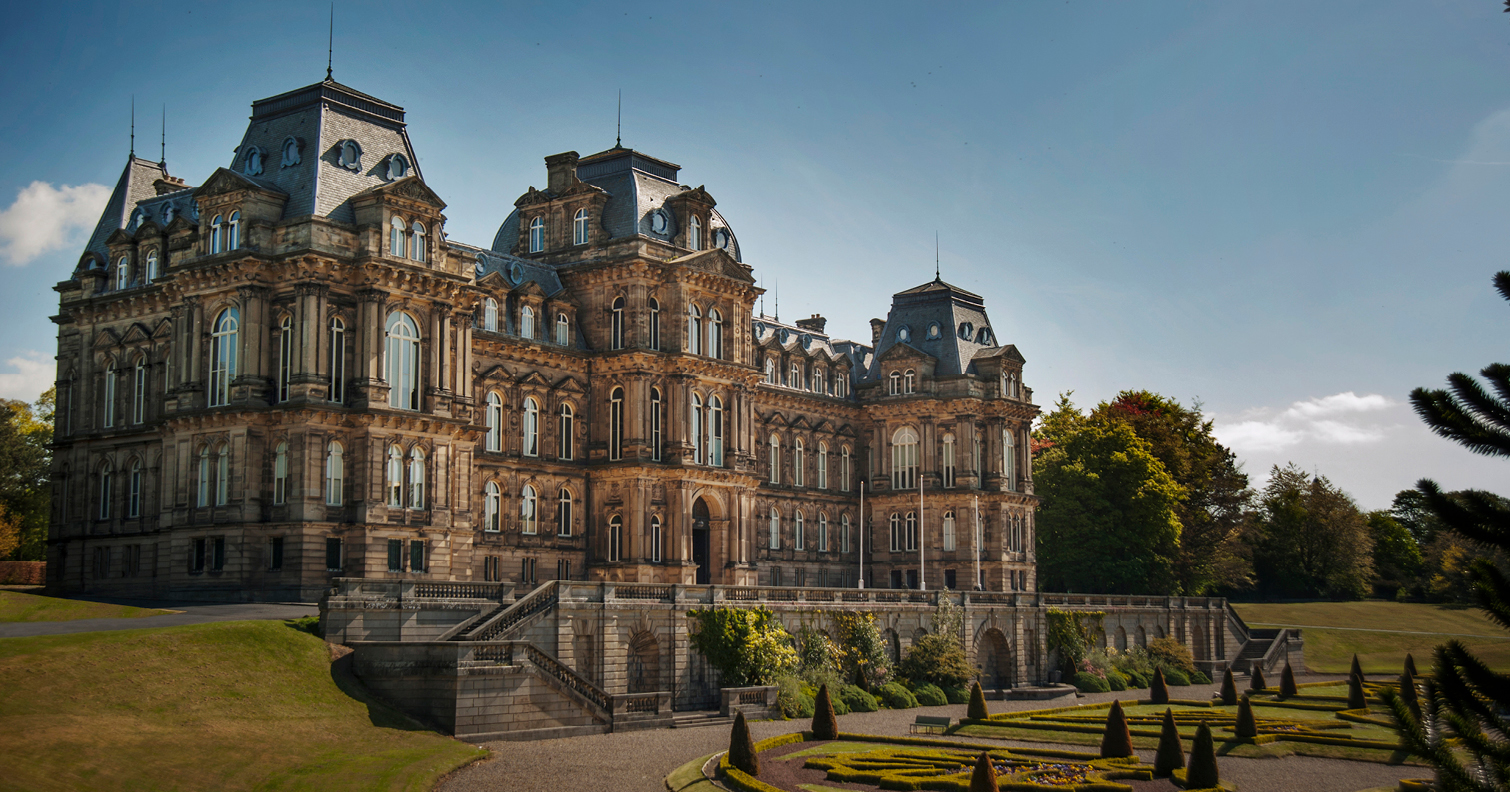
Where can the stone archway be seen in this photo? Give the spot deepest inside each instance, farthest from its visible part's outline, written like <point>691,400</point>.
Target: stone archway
<point>644,667</point>
<point>708,535</point>
<point>1121,638</point>
<point>994,656</point>
<point>701,545</point>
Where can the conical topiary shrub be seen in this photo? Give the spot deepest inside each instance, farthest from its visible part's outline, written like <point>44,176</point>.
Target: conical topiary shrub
<point>1408,694</point>
<point>1117,741</point>
<point>977,710</point>
<point>1202,773</point>
<point>1355,697</point>
<point>1246,725</point>
<point>1257,682</point>
<point>825,722</point>
<point>742,747</point>
<point>1287,685</point>
<point>1229,688</point>
<point>1158,691</point>
<point>1171,755</point>
<point>1410,665</point>
<point>984,777</point>
<point>1356,670</point>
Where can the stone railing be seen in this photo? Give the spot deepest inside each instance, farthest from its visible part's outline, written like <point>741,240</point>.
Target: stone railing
<point>442,590</point>
<point>536,601</point>
<point>569,678</point>
<point>754,702</point>
<point>1279,650</point>
<point>628,706</point>
<point>398,590</point>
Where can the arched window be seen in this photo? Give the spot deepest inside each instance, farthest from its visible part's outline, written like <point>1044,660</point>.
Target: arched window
<point>337,360</point>
<point>335,475</point>
<point>799,466</point>
<point>528,509</point>
<point>948,531</point>
<point>105,492</point>
<point>656,415</point>
<point>715,333</point>
<point>976,456</point>
<point>537,235</point>
<point>909,384</point>
<point>285,356</point>
<point>820,382</point>
<point>912,531</point>
<point>695,233</point>
<point>527,322</point>
<point>122,273</point>
<point>694,330</point>
<point>795,380</point>
<point>233,232</point>
<point>948,461</point>
<point>579,228</point>
<point>823,466</point>
<point>403,361</point>
<point>904,459</point>
<point>844,534</point>
<point>531,437</point>
<point>494,419</point>
<point>396,237</point>
<point>280,473</point>
<point>896,533</point>
<point>490,505</point>
<point>616,325</point>
<point>417,242</point>
<point>775,455</point>
<point>223,476</point>
<point>564,514</point>
<point>655,324</point>
<point>656,540</point>
<point>1008,459</point>
<point>217,235</point>
<point>696,430</point>
<point>202,485</point>
<point>615,538</point>
<point>844,469</point>
<point>773,540</point>
<point>416,478</point>
<point>798,532</point>
<point>841,384</point>
<point>223,355</point>
<point>823,532</point>
<point>563,330</point>
<point>134,490</point>
<point>151,266</point>
<point>616,424</point>
<point>139,391</point>
<point>896,383</point>
<point>490,315</point>
<point>395,477</point>
<point>564,445</point>
<point>770,371</point>
<point>715,431</point>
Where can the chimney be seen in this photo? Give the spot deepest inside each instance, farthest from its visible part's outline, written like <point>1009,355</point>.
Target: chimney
<point>561,170</point>
<point>813,324</point>
<point>168,184</point>
<point>876,326</point>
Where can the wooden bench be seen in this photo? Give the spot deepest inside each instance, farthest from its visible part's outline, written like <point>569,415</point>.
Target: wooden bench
<point>930,724</point>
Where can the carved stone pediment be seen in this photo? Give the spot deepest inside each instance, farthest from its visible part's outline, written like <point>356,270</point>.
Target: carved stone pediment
<point>409,187</point>
<point>530,289</point>
<point>106,339</point>
<point>900,352</point>
<point>570,385</point>
<point>775,419</point>
<point>717,261</point>
<point>163,330</point>
<point>496,372</point>
<point>224,180</point>
<point>136,334</point>
<point>534,378</point>
<point>493,280</point>
<point>534,197</point>
<point>1008,352</point>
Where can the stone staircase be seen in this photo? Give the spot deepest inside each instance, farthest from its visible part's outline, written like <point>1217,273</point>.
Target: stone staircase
<point>497,624</point>
<point>693,720</point>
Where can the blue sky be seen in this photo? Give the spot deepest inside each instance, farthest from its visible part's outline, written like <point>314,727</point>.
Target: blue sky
<point>1288,211</point>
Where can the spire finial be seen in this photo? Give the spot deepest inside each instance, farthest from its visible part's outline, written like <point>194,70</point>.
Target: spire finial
<point>618,127</point>
<point>762,296</point>
<point>778,299</point>
<point>164,156</point>
<point>133,125</point>
<point>935,254</point>
<point>330,48</point>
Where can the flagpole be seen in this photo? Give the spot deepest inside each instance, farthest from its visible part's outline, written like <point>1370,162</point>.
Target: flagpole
<point>922,569</point>
<point>861,530</point>
<point>975,542</point>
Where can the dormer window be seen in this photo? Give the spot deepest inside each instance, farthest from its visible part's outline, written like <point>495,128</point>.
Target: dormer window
<point>350,156</point>
<point>795,380</point>
<point>417,243</point>
<point>527,322</point>
<point>965,329</point>
<point>909,382</point>
<point>217,234</point>
<point>490,315</point>
<point>721,239</point>
<point>579,228</point>
<point>122,273</point>
<point>291,152</point>
<point>233,232</point>
<point>933,331</point>
<point>151,266</point>
<point>252,165</point>
<point>562,330</point>
<point>896,383</point>
<point>695,234</point>
<point>984,336</point>
<point>396,237</point>
<point>903,334</point>
<point>537,235</point>
<point>398,167</point>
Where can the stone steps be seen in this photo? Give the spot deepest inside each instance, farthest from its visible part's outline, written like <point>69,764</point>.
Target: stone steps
<point>693,720</point>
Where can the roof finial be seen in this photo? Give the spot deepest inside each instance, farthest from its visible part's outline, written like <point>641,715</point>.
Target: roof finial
<point>133,125</point>
<point>762,296</point>
<point>935,254</point>
<point>778,299</point>
<point>618,127</point>
<point>164,160</point>
<point>330,48</point>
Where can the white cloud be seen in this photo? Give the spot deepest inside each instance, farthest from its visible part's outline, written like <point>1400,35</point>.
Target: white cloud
<point>1340,419</point>
<point>33,372</point>
<point>45,218</point>
<point>1257,436</point>
<point>1338,403</point>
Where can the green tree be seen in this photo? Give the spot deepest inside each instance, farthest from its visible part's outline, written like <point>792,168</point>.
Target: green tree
<point>1108,521</point>
<point>25,460</point>
<point>1397,557</point>
<point>748,646</point>
<point>1311,539</point>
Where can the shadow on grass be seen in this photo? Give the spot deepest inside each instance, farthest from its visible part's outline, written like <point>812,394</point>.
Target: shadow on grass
<point>381,714</point>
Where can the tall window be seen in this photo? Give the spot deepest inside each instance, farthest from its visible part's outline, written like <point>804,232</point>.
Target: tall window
<point>579,228</point>
<point>403,361</point>
<point>948,460</point>
<point>223,355</point>
<point>337,360</point>
<point>715,432</point>
<point>416,478</point>
<point>109,416</point>
<point>396,237</point>
<point>490,315</point>
<point>909,384</point>
<point>794,380</point>
<point>395,477</point>
<point>151,266</point>
<point>123,273</point>
<point>134,490</point>
<point>896,533</point>
<point>694,330</point>
<point>616,325</point>
<point>770,371</point>
<point>233,232</point>
<point>494,420</point>
<point>976,458</point>
<point>285,356</point>
<point>912,531</point>
<point>223,476</point>
<point>799,533</point>
<point>280,473</point>
<point>616,424</point>
<point>904,459</point>
<point>844,469</point>
<point>1008,459</point>
<point>844,534</point>
<point>896,383</point>
<point>695,234</point>
<point>537,235</point>
<point>773,539</point>
<point>335,475</point>
<point>775,459</point>
<point>203,493</point>
<point>417,242</point>
<point>490,504</point>
<point>563,330</point>
<point>531,437</point>
<point>823,532</point>
<point>841,384</point>
<point>655,324</point>
<point>799,464</point>
<point>948,531</point>
<point>822,466</point>
<point>697,429</point>
<point>655,424</point>
<point>528,509</point>
<point>656,539</point>
<point>105,492</point>
<point>527,322</point>
<point>564,514</point>
<point>217,235</point>
<point>568,421</point>
<point>615,538</point>
<point>715,333</point>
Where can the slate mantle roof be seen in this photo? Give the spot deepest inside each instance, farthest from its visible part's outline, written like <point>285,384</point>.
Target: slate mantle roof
<point>963,329</point>
<point>134,186</point>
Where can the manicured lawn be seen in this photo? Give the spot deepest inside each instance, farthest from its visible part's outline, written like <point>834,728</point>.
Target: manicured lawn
<point>1401,627</point>
<point>18,607</point>
<point>225,706</point>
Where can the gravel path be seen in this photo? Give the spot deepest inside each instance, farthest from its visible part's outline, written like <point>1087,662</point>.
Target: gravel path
<point>639,761</point>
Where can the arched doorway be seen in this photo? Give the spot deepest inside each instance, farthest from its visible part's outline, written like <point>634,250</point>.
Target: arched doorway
<point>994,655</point>
<point>700,533</point>
<point>644,669</point>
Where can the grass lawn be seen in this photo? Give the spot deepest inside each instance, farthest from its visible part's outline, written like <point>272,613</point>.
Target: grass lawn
<point>1401,627</point>
<point>16,606</point>
<point>225,706</point>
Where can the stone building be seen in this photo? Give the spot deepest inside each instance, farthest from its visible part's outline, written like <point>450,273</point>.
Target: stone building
<point>289,374</point>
